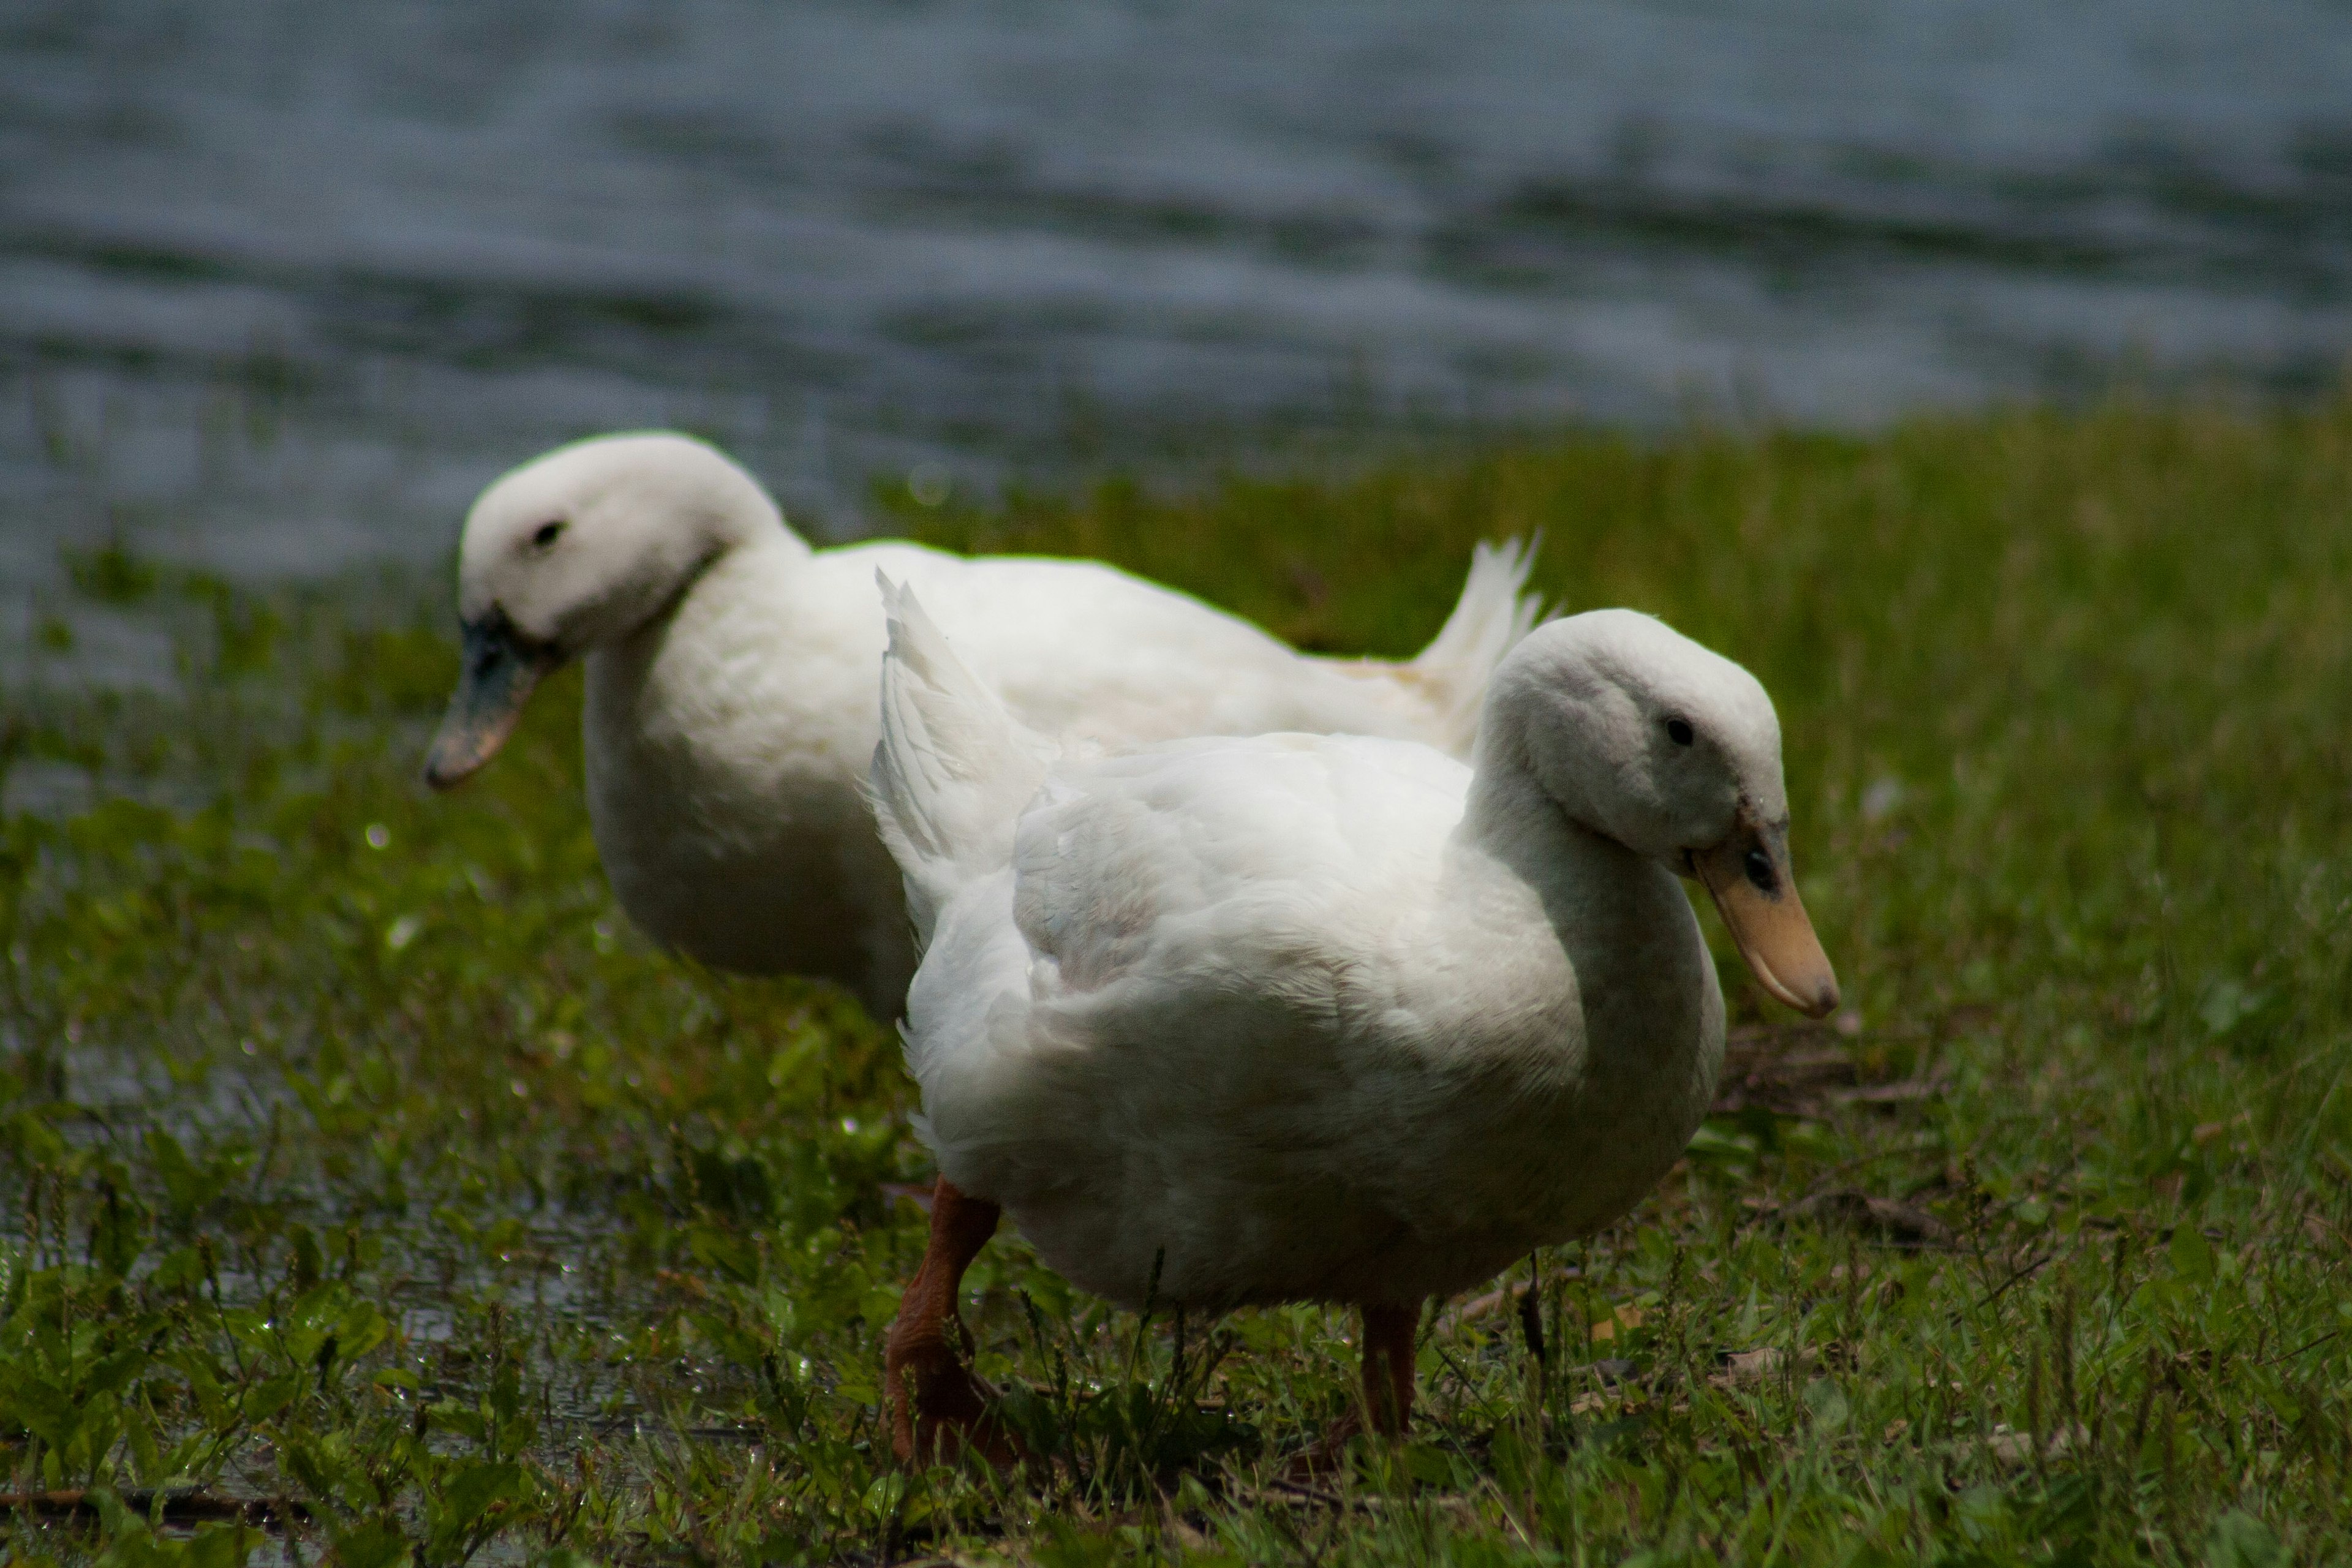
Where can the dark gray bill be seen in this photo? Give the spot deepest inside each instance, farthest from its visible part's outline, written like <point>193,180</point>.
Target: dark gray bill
<point>501,668</point>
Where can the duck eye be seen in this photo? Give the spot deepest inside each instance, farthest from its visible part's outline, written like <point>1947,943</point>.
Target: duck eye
<point>1678,730</point>
<point>1759,867</point>
<point>545,534</point>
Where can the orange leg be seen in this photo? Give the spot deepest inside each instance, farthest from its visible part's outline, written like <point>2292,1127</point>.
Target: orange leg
<point>1388,1367</point>
<point>1387,1409</point>
<point>934,1401</point>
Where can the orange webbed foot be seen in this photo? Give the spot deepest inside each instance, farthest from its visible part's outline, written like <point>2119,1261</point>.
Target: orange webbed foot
<point>938,1407</point>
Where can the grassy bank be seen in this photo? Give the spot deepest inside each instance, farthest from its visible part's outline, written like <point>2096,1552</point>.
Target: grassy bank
<point>363,1176</point>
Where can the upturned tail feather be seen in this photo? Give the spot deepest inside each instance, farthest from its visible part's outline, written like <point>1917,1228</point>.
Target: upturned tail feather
<point>1492,614</point>
<point>953,770</point>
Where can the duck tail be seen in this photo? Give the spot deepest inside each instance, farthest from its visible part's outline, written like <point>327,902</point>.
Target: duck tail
<point>1494,613</point>
<point>953,769</point>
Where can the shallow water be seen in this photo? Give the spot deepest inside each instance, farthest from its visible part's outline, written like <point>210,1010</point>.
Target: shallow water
<point>281,285</point>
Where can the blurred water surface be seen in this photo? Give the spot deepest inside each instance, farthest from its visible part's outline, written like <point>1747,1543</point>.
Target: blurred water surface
<point>281,283</point>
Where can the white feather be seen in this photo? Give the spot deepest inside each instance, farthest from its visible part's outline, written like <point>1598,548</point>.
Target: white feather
<point>731,692</point>
<point>953,769</point>
<point>1332,1017</point>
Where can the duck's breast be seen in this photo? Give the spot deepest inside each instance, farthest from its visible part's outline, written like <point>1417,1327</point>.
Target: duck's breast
<point>725,746</point>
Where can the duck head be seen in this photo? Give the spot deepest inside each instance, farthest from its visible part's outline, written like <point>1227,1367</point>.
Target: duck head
<point>579,547</point>
<point>1639,734</point>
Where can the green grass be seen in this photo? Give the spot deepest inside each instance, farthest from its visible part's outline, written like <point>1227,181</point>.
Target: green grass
<point>356,1157</point>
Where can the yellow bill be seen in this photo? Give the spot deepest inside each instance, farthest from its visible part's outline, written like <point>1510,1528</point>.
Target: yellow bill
<point>1747,874</point>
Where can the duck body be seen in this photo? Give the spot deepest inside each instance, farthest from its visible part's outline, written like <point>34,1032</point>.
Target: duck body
<point>727,741</point>
<point>1236,1020</point>
<point>731,681</point>
<point>1272,1017</point>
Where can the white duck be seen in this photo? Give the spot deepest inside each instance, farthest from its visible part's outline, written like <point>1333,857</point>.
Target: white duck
<point>731,710</point>
<point>1305,1017</point>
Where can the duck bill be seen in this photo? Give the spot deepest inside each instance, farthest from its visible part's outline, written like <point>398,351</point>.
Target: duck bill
<point>502,667</point>
<point>1749,876</point>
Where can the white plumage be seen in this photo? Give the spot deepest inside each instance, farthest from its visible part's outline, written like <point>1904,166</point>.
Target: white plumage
<point>731,686</point>
<point>1333,1018</point>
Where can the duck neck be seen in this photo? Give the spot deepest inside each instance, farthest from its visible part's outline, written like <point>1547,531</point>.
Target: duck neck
<point>742,569</point>
<point>736,537</point>
<point>1619,917</point>
<point>1516,822</point>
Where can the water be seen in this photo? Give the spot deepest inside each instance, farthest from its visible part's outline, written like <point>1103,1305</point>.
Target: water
<point>282,284</point>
